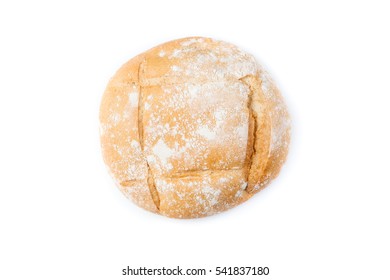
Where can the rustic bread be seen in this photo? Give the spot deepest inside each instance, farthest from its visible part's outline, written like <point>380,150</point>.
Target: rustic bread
<point>193,127</point>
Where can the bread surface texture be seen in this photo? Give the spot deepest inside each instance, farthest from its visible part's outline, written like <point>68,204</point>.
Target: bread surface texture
<point>193,127</point>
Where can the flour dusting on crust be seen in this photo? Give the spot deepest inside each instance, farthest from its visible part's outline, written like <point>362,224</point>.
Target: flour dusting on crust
<point>193,122</point>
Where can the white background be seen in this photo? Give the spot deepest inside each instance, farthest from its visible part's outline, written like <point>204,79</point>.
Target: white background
<point>325,217</point>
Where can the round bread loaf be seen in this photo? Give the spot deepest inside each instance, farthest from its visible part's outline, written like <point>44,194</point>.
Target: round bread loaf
<point>193,127</point>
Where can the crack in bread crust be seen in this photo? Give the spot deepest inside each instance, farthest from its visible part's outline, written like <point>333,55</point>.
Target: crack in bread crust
<point>152,82</point>
<point>150,179</point>
<point>259,132</point>
<point>200,173</point>
<point>250,148</point>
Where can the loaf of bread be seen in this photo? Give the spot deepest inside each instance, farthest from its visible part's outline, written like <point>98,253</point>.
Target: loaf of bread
<point>193,127</point>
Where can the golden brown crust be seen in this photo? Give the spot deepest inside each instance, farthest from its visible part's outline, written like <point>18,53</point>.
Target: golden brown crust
<point>280,131</point>
<point>192,127</point>
<point>122,152</point>
<point>260,114</point>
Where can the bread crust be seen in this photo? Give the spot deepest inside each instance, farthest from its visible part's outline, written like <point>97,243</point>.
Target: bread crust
<point>193,127</point>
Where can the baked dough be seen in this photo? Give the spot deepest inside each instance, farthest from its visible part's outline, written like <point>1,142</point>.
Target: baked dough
<point>193,127</point>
